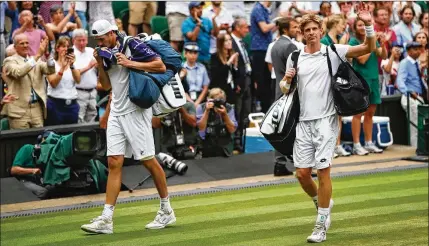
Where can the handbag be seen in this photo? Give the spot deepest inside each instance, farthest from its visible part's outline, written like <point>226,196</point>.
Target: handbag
<point>279,123</point>
<point>349,88</point>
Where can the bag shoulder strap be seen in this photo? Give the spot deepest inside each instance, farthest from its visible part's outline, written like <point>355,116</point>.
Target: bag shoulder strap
<point>295,56</point>
<point>329,60</point>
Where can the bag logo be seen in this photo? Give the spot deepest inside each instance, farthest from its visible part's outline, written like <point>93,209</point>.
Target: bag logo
<point>341,81</point>
<point>176,88</point>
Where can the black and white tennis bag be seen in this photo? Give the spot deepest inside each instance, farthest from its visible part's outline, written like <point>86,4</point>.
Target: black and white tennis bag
<point>171,98</point>
<point>279,123</point>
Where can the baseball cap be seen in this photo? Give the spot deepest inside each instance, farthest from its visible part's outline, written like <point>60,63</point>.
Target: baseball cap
<point>414,45</point>
<point>102,27</point>
<point>191,46</point>
<point>195,4</point>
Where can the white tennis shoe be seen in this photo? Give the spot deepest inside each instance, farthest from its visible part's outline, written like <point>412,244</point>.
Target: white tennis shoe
<point>99,225</point>
<point>162,220</point>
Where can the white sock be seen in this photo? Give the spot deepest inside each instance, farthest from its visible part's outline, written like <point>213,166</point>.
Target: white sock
<point>368,143</point>
<point>356,145</point>
<point>315,200</point>
<point>165,204</point>
<point>108,211</point>
<point>322,214</point>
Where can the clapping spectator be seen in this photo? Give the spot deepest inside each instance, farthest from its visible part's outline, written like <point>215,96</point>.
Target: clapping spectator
<point>80,10</point>
<point>221,21</point>
<point>405,30</point>
<point>224,65</point>
<point>35,35</point>
<point>61,25</point>
<point>367,67</point>
<point>390,69</point>
<point>86,89</point>
<point>198,29</point>
<point>196,74</point>
<point>62,104</point>
<point>422,38</point>
<point>24,79</point>
<point>100,10</point>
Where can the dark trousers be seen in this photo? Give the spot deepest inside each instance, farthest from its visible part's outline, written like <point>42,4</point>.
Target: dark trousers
<point>263,79</point>
<point>59,113</point>
<point>243,105</point>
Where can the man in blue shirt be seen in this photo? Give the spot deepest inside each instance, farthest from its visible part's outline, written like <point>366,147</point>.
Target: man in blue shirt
<point>409,81</point>
<point>198,29</point>
<point>260,30</point>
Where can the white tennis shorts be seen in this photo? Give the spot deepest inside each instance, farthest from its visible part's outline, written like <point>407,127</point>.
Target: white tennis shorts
<point>315,142</point>
<point>131,134</point>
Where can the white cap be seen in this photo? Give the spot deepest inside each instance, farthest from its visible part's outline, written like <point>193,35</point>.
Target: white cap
<point>102,27</point>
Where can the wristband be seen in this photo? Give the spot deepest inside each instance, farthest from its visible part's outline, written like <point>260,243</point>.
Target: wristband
<point>369,31</point>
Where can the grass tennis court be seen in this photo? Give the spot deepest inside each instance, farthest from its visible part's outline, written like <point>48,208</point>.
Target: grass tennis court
<point>378,209</point>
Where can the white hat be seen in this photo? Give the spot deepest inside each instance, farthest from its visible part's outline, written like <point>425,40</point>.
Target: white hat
<point>102,27</point>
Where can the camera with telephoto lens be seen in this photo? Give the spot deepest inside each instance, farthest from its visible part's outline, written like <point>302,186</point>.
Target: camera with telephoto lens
<point>172,163</point>
<point>218,103</point>
<point>184,152</point>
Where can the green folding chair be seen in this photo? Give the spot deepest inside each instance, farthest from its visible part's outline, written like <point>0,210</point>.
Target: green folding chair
<point>159,24</point>
<point>4,124</point>
<point>119,7</point>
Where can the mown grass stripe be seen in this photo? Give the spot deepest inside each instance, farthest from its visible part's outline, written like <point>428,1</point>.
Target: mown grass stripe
<point>228,234</point>
<point>289,203</point>
<point>281,193</point>
<point>182,234</point>
<point>339,183</point>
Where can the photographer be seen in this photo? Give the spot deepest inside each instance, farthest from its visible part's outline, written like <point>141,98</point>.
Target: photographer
<point>216,123</point>
<point>178,132</point>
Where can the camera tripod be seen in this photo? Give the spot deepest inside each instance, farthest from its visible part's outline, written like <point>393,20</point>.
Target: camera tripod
<point>150,176</point>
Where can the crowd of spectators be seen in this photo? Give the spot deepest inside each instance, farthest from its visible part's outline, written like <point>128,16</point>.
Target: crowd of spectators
<point>51,74</point>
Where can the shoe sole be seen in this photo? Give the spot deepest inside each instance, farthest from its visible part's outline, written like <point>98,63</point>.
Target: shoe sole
<point>89,230</point>
<point>314,241</point>
<point>162,227</point>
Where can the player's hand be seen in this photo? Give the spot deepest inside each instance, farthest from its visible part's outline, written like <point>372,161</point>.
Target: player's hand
<point>290,73</point>
<point>122,60</point>
<point>364,14</point>
<point>96,56</point>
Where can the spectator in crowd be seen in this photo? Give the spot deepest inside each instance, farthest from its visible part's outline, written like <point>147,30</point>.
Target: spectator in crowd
<point>291,9</point>
<point>393,14</point>
<point>4,40</point>
<point>224,65</point>
<point>198,29</point>
<point>178,130</point>
<point>80,9</point>
<point>8,98</point>
<point>346,11</point>
<point>86,65</point>
<point>216,124</point>
<point>176,12</point>
<point>325,9</point>
<point>243,78</point>
<point>11,12</point>
<point>336,34</point>
<point>410,83</point>
<point>196,75</point>
<point>282,48</point>
<point>61,25</point>
<point>35,35</point>
<point>381,17</point>
<point>261,33</point>
<point>140,15</point>
<point>45,8</point>
<point>98,10</point>
<point>390,69</point>
<point>424,22</point>
<point>422,38</point>
<point>399,5</point>
<point>120,26</point>
<point>24,79</point>
<point>62,95</point>
<point>367,67</point>
<point>405,30</point>
<point>221,21</point>
<point>236,9</point>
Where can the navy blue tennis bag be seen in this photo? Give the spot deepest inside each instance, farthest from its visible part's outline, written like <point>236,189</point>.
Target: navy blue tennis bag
<point>164,91</point>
